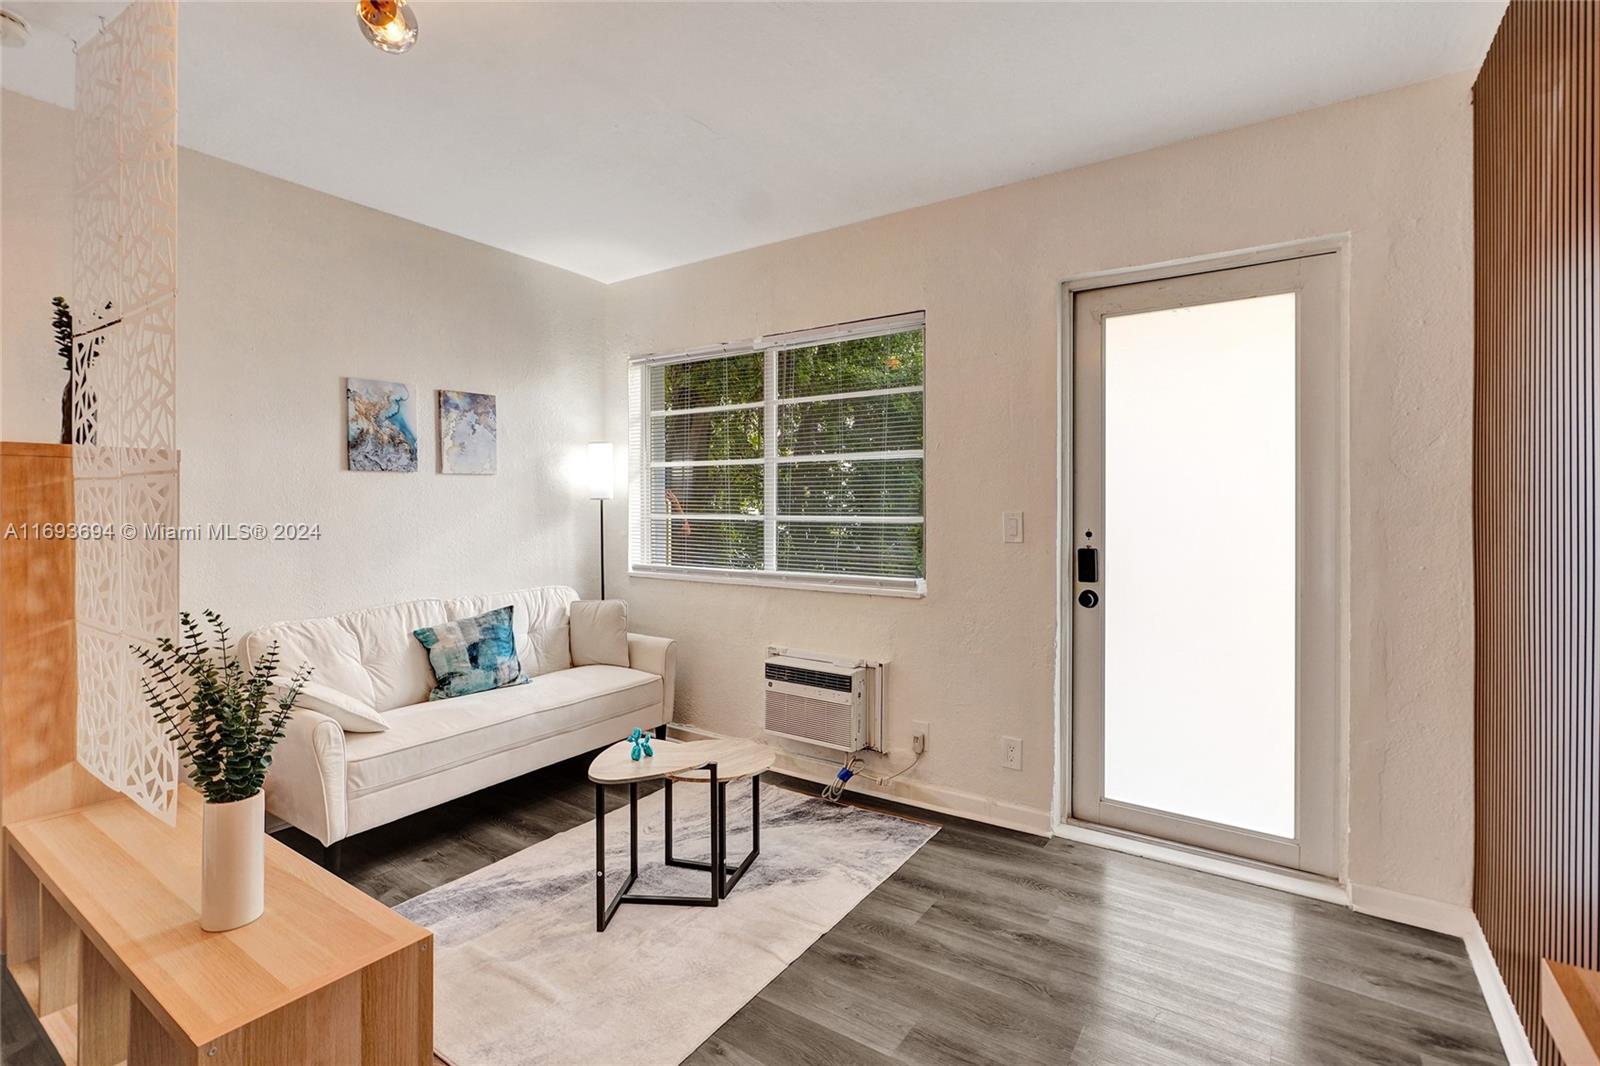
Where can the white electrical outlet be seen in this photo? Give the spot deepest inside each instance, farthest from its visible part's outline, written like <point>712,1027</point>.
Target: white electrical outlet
<point>919,737</point>
<point>1011,527</point>
<point>1011,753</point>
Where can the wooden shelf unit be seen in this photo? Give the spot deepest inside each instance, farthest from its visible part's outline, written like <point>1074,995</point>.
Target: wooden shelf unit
<point>102,935</point>
<point>1569,1005</point>
<point>39,773</point>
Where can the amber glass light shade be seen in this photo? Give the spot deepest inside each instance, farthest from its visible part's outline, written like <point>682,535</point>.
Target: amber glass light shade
<point>388,24</point>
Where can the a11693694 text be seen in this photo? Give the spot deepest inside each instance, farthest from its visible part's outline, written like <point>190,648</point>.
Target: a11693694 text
<point>209,531</point>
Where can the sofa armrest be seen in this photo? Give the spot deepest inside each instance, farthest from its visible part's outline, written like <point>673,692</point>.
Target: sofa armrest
<point>306,783</point>
<point>656,655</point>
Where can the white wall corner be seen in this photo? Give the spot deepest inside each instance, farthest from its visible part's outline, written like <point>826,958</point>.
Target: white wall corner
<point>1453,919</point>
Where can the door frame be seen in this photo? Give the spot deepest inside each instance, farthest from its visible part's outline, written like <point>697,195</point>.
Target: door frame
<point>1067,288</point>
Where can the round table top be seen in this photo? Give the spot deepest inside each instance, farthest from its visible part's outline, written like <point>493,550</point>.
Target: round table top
<point>681,760</point>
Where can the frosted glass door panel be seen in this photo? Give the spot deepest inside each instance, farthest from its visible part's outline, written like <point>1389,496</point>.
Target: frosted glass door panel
<point>1200,562</point>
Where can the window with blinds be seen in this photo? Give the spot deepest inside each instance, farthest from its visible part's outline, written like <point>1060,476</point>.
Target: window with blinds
<point>794,459</point>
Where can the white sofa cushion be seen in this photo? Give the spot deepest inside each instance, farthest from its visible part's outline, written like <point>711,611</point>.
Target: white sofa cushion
<point>352,715</point>
<point>326,644</point>
<point>385,805</point>
<point>599,632</point>
<point>549,650</point>
<point>429,738</point>
<point>396,660</point>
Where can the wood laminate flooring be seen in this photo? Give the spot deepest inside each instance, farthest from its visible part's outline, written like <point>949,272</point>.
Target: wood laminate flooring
<point>996,947</point>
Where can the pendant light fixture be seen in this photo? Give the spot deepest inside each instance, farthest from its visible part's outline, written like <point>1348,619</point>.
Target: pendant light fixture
<point>388,24</point>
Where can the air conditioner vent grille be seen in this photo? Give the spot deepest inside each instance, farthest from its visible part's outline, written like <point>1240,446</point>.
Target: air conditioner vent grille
<point>796,675</point>
<point>815,720</point>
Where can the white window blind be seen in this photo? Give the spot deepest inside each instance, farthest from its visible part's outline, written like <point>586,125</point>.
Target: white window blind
<point>795,458</point>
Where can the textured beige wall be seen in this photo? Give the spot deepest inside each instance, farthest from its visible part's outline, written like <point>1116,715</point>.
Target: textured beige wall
<point>35,262</point>
<point>976,657</point>
<point>286,291</point>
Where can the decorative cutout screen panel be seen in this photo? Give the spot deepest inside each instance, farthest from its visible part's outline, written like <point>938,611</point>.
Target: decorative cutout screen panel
<point>124,413</point>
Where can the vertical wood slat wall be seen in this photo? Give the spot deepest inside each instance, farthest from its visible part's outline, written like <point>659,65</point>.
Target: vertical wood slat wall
<point>1536,136</point>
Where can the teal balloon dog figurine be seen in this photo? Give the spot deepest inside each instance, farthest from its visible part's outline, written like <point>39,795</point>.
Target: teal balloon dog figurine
<point>641,745</point>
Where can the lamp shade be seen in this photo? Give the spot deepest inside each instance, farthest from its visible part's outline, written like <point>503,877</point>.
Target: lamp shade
<point>602,470</point>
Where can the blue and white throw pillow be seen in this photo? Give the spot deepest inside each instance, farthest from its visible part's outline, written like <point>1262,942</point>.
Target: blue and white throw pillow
<point>472,655</point>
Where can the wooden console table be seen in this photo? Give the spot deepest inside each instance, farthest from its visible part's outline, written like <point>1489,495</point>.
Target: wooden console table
<point>102,934</point>
<point>1569,1004</point>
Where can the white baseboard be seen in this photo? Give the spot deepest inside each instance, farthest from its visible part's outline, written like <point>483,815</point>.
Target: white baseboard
<point>1451,918</point>
<point>1513,1038</point>
<point>1455,920</point>
<point>920,794</point>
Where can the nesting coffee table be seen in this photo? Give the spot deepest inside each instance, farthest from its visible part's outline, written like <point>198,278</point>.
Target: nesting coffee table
<point>716,762</point>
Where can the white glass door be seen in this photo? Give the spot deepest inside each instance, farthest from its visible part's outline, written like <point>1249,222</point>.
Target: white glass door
<point>1204,700</point>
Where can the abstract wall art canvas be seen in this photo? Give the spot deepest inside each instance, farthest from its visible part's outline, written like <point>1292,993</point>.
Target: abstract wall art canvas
<point>467,434</point>
<point>379,434</point>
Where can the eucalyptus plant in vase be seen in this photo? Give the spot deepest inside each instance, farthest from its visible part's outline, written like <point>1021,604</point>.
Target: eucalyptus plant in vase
<point>225,715</point>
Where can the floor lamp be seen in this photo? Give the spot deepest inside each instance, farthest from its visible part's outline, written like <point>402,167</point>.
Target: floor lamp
<point>602,486</point>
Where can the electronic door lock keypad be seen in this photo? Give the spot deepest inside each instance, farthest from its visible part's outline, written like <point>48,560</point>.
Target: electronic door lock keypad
<point>1088,566</point>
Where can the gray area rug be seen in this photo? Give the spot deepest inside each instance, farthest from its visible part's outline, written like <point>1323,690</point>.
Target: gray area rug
<point>521,976</point>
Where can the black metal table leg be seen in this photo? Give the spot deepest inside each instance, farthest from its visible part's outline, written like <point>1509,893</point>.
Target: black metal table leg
<point>719,864</point>
<point>719,834</point>
<point>755,814</point>
<point>668,784</point>
<point>724,874</point>
<point>736,872</point>
<point>719,829</point>
<point>603,909</point>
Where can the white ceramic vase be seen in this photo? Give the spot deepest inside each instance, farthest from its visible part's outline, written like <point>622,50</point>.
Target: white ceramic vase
<point>232,849</point>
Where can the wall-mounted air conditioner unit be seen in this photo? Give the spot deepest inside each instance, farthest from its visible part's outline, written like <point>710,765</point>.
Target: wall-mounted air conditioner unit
<point>834,703</point>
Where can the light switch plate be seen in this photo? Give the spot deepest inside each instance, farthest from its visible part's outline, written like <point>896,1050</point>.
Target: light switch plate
<point>1011,527</point>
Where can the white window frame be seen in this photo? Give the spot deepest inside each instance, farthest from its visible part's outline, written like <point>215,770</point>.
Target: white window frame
<point>641,462</point>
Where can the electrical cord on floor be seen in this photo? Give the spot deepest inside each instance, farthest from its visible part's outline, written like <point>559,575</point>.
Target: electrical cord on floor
<point>885,780</point>
<point>834,789</point>
<point>853,768</point>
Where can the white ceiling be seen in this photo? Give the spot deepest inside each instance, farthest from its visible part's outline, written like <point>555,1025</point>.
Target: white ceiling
<point>619,139</point>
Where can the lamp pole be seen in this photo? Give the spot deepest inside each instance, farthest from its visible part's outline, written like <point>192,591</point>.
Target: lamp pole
<point>602,486</point>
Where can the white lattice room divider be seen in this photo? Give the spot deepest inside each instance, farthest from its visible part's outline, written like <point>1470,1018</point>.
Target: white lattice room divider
<point>124,417</point>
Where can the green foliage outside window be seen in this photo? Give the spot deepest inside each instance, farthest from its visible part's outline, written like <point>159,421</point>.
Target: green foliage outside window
<point>825,427</point>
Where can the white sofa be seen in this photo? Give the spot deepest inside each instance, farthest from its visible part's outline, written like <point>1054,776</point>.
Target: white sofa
<point>332,783</point>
